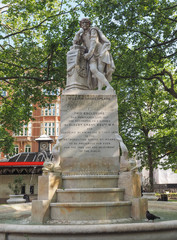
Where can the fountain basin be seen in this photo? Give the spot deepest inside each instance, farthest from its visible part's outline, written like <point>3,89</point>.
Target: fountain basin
<point>144,230</point>
<point>130,231</point>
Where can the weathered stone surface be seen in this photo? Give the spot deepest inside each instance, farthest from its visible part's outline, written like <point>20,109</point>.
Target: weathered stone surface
<point>130,231</point>
<point>131,182</point>
<point>90,195</point>
<point>87,181</point>
<point>77,75</point>
<point>89,121</point>
<point>90,211</point>
<point>139,208</point>
<point>16,199</point>
<point>3,236</point>
<point>40,211</point>
<point>47,186</point>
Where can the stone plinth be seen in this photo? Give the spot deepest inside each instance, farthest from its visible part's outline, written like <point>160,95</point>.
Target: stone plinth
<point>89,121</point>
<point>131,182</point>
<point>150,196</point>
<point>77,72</point>
<point>47,186</point>
<point>16,199</point>
<point>88,211</point>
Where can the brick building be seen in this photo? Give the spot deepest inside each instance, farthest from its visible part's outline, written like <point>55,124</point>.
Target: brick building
<point>46,121</point>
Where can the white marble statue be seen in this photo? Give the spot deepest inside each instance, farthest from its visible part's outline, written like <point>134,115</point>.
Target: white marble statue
<point>56,153</point>
<point>100,65</point>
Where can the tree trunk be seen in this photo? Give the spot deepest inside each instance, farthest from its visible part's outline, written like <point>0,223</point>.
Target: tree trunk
<point>151,173</point>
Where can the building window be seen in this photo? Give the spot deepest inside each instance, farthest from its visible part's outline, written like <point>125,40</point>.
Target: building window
<point>26,130</point>
<point>49,128</point>
<point>52,93</point>
<point>23,190</point>
<point>27,148</point>
<point>57,128</point>
<point>50,110</point>
<point>16,149</point>
<point>31,189</point>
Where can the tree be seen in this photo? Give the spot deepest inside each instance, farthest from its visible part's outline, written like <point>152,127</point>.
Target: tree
<point>144,36</point>
<point>34,39</point>
<point>148,123</point>
<point>144,40</point>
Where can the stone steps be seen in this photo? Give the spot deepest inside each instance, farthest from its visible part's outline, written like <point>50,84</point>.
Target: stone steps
<point>90,198</point>
<point>89,211</point>
<point>90,181</point>
<point>90,195</point>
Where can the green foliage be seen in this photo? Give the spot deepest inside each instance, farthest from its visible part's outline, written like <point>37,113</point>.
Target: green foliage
<point>144,37</point>
<point>36,35</point>
<point>6,141</point>
<point>16,185</point>
<point>34,39</point>
<point>148,123</point>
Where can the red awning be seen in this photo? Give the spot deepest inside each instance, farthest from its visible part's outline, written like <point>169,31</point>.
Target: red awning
<point>21,163</point>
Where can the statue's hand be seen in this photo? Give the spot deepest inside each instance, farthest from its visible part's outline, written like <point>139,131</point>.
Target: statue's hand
<point>81,31</point>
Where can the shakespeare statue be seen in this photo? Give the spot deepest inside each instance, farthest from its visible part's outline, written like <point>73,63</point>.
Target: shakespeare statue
<point>90,59</point>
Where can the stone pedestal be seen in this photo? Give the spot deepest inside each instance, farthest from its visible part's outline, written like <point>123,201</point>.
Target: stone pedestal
<point>77,73</point>
<point>131,182</point>
<point>150,196</point>
<point>47,186</point>
<point>92,189</point>
<point>16,199</point>
<point>139,208</point>
<point>89,122</point>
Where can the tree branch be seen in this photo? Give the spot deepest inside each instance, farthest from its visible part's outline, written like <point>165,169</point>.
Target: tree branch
<point>38,25</point>
<point>166,154</point>
<point>144,33</point>
<point>12,64</point>
<point>26,77</point>
<point>157,76</point>
<point>174,6</point>
<point>157,45</point>
<point>4,6</point>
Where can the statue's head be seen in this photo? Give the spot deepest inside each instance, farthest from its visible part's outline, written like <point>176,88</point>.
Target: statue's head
<point>85,20</point>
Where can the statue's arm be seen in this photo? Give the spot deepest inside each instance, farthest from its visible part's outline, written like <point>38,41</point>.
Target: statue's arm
<point>94,36</point>
<point>77,38</point>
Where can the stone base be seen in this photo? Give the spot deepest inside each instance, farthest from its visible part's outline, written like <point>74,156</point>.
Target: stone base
<point>89,122</point>
<point>90,195</point>
<point>139,208</point>
<point>16,199</point>
<point>150,196</point>
<point>131,182</point>
<point>90,211</point>
<point>47,186</point>
<point>40,211</point>
<point>76,86</point>
<point>90,181</point>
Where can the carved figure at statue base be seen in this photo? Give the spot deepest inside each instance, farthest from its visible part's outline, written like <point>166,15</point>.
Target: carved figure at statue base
<point>126,164</point>
<point>54,166</point>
